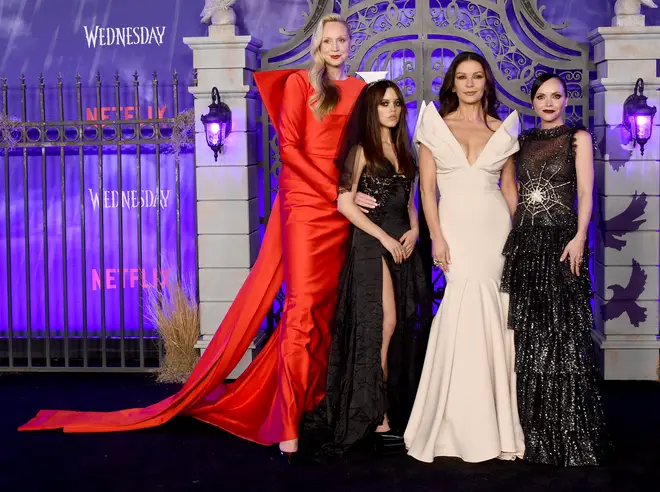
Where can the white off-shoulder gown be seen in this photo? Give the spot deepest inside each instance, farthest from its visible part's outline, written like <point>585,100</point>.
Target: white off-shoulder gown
<point>466,402</point>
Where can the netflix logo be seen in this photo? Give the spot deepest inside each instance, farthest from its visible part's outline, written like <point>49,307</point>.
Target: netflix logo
<point>124,113</point>
<point>128,278</point>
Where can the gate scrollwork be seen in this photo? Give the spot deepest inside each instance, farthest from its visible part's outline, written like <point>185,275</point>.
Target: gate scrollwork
<point>415,41</point>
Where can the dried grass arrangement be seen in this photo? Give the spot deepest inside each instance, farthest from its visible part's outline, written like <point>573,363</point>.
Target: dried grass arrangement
<point>10,130</point>
<point>176,317</point>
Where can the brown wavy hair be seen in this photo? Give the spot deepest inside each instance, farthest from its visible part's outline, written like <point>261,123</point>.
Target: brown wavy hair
<point>449,100</point>
<point>372,142</point>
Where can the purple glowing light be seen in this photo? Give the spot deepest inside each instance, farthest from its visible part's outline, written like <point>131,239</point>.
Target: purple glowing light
<point>638,116</point>
<point>214,134</point>
<point>643,126</point>
<point>217,123</point>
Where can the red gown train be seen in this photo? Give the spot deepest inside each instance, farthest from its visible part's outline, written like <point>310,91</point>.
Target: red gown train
<point>304,245</point>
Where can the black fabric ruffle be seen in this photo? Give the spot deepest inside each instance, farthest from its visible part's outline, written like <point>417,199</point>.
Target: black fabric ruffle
<point>543,289</point>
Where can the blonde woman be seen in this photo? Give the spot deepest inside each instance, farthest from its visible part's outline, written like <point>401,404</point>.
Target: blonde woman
<point>304,246</point>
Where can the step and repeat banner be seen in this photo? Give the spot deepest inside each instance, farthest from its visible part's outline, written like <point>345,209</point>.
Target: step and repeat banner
<point>90,213</point>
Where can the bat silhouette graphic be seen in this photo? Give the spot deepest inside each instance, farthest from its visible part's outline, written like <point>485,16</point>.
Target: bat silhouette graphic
<point>624,299</point>
<point>615,228</point>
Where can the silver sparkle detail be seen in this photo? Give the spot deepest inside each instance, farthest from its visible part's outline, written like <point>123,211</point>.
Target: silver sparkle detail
<point>536,196</point>
<point>539,195</point>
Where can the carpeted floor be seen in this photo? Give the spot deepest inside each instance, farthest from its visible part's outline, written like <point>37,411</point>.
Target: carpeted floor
<point>186,455</point>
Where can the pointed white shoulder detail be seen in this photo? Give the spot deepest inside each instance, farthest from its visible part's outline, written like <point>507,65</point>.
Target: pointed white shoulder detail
<point>511,125</point>
<point>422,108</point>
<point>429,119</point>
<point>415,138</point>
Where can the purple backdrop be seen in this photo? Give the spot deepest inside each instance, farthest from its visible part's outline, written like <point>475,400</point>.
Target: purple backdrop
<point>86,37</point>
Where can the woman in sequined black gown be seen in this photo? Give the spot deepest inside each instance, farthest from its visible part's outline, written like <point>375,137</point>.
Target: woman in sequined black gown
<point>384,306</point>
<point>546,274</point>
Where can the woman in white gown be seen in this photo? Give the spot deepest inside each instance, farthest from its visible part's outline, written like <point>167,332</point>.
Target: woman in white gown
<point>466,402</point>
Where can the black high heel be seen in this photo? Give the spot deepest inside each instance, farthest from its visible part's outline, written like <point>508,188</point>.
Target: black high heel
<point>287,457</point>
<point>388,443</point>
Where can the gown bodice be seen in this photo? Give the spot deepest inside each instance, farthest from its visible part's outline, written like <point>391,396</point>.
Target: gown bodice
<point>307,146</point>
<point>313,137</point>
<point>322,137</point>
<point>455,175</point>
<point>392,193</point>
<point>547,178</point>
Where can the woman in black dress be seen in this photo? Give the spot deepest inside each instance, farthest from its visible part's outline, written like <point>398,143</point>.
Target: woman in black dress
<point>384,306</point>
<point>546,274</point>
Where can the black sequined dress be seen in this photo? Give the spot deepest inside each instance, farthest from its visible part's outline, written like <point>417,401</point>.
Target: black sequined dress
<point>550,310</point>
<point>357,397</point>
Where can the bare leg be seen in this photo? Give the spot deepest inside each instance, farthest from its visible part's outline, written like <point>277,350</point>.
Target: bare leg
<point>289,446</point>
<point>389,324</point>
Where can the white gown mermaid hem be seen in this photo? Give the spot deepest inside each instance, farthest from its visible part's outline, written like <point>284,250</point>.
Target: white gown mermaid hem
<point>466,403</point>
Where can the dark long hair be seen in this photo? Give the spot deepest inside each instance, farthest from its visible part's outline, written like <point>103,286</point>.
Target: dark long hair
<point>448,98</point>
<point>542,79</point>
<point>364,129</point>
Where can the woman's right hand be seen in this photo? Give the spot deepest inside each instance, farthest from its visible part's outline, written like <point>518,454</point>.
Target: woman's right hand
<point>441,256</point>
<point>395,248</point>
<point>365,202</point>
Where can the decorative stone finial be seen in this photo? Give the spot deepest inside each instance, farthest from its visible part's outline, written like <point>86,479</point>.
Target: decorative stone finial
<point>628,12</point>
<point>221,15</point>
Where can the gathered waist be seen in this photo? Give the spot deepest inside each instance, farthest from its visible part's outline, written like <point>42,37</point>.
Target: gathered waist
<point>472,182</point>
<point>331,157</point>
<point>325,164</point>
<point>458,192</point>
<point>320,160</point>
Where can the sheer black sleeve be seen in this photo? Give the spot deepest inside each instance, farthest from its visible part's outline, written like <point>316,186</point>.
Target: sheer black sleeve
<point>351,169</point>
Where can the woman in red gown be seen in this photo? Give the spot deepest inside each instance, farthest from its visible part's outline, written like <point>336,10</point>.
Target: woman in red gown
<point>304,245</point>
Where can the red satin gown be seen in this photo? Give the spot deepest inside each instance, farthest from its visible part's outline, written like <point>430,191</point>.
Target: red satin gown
<point>304,245</point>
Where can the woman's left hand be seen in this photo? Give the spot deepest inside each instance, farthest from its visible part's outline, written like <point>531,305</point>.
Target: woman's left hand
<point>365,202</point>
<point>574,251</point>
<point>408,241</point>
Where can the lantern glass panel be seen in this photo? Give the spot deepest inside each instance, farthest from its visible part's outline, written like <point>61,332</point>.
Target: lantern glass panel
<point>643,126</point>
<point>214,134</point>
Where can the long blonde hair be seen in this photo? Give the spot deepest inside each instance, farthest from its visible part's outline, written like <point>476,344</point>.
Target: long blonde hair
<point>326,94</point>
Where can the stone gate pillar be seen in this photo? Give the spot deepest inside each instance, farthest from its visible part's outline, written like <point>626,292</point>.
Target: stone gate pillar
<point>227,190</point>
<point>627,207</point>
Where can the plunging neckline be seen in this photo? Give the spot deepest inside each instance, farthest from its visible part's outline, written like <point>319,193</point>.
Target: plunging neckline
<point>460,147</point>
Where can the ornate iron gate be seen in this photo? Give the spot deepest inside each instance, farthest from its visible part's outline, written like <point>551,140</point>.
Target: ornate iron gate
<point>91,202</point>
<point>416,40</point>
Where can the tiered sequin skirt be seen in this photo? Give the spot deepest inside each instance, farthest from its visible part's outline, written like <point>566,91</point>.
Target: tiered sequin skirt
<point>557,377</point>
